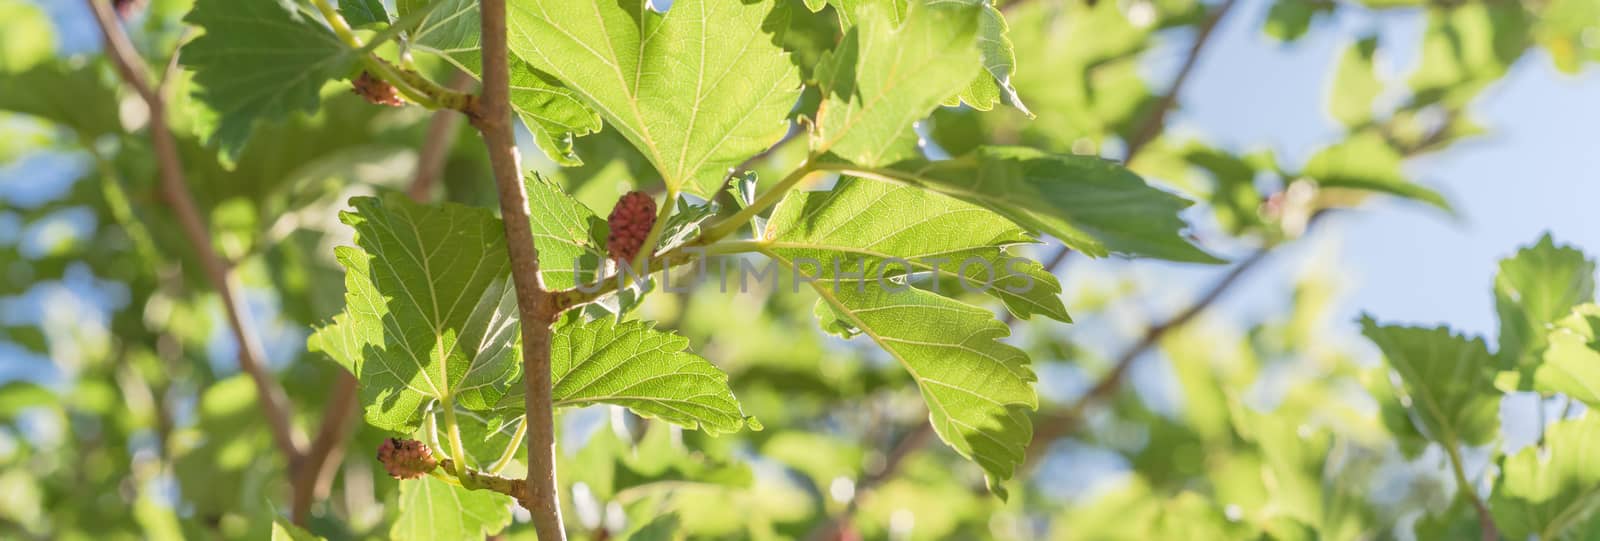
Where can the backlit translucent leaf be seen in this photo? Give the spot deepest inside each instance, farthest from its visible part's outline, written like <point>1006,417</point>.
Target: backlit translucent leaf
<point>878,229</point>
<point>1534,288</point>
<point>999,60</point>
<point>1444,379</point>
<point>631,364</point>
<point>1572,362</point>
<point>1365,161</point>
<point>1355,84</point>
<point>553,113</point>
<point>978,389</point>
<point>698,90</point>
<point>1092,205</point>
<point>429,308</point>
<point>260,59</point>
<point>884,77</point>
<point>1551,490</point>
<point>433,509</point>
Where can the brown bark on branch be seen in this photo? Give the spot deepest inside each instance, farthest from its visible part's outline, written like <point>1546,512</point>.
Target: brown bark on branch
<point>491,114</point>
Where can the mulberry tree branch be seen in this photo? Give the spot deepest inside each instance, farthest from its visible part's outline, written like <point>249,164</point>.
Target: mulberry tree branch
<point>491,115</point>
<point>175,190</point>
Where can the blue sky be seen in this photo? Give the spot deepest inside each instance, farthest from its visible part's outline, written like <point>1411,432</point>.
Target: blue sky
<point>1536,170</point>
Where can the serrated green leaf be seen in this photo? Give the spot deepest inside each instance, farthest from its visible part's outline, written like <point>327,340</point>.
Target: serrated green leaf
<point>429,304</point>
<point>1445,380</point>
<point>567,234</point>
<point>631,364</point>
<point>76,98</point>
<point>978,389</point>
<point>361,13</point>
<point>999,60</point>
<point>1534,288</point>
<point>1365,161</point>
<point>1092,205</point>
<point>881,230</point>
<point>1355,84</point>
<point>1572,362</point>
<point>553,113</point>
<point>433,509</point>
<point>884,77</point>
<point>259,59</point>
<point>1547,490</point>
<point>695,120</point>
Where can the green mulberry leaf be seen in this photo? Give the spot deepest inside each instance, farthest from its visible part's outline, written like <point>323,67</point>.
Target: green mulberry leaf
<point>433,509</point>
<point>260,59</point>
<point>1445,379</point>
<point>698,90</point>
<point>1547,491</point>
<point>885,76</point>
<point>1534,288</point>
<point>1572,362</point>
<point>631,364</point>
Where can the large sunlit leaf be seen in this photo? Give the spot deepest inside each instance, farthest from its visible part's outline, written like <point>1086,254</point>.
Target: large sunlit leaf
<point>1571,364</point>
<point>433,509</point>
<point>1092,205</point>
<point>885,76</point>
<point>430,312</point>
<point>978,389</point>
<point>1444,379</point>
<point>1365,161</point>
<point>880,230</point>
<point>553,113</point>
<point>1548,490</point>
<point>631,364</point>
<point>698,90</point>
<point>260,59</point>
<point>1535,287</point>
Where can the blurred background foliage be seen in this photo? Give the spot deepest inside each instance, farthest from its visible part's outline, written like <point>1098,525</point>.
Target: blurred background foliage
<point>123,414</point>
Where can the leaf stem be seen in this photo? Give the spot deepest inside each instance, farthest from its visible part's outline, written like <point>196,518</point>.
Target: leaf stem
<point>731,224</point>
<point>521,433</point>
<point>1467,489</point>
<point>410,84</point>
<point>648,248</point>
<point>452,431</point>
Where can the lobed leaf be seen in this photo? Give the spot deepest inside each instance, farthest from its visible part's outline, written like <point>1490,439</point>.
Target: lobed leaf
<point>1552,489</point>
<point>886,75</point>
<point>260,59</point>
<point>1445,379</point>
<point>430,314</point>
<point>1571,364</point>
<point>698,90</point>
<point>1534,288</point>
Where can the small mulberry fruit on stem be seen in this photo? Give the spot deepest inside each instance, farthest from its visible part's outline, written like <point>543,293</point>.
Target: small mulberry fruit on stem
<point>630,223</point>
<point>406,459</point>
<point>377,91</point>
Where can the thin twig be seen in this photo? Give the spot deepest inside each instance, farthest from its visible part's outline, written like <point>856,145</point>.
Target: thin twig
<point>492,116</point>
<point>1153,124</point>
<point>174,188</point>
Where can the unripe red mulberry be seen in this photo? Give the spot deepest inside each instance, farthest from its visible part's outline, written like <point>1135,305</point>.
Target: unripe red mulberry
<point>377,91</point>
<point>630,223</point>
<point>406,459</point>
